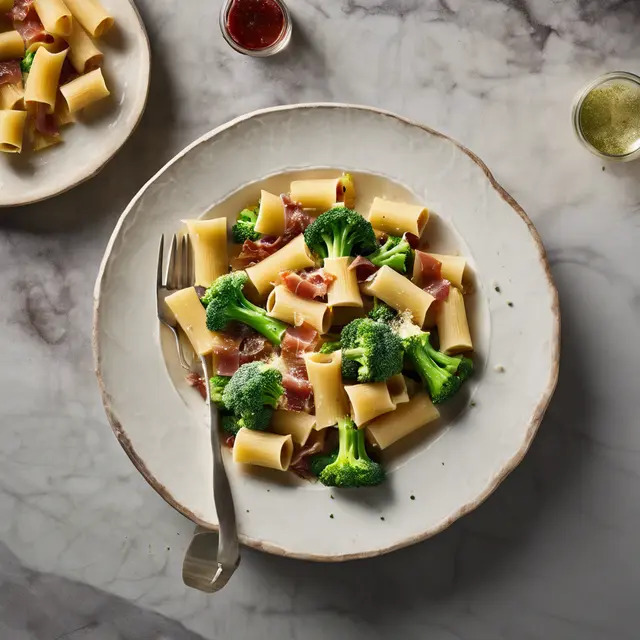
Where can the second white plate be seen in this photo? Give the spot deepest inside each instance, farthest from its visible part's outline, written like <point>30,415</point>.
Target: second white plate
<point>92,141</point>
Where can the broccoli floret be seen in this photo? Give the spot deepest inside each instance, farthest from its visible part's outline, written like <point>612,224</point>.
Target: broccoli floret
<point>230,424</point>
<point>319,462</point>
<point>382,312</point>
<point>340,232</point>
<point>225,302</point>
<point>252,394</point>
<point>245,227</point>
<point>465,368</point>
<point>330,347</point>
<point>352,466</point>
<point>393,253</point>
<point>437,370</point>
<point>27,61</point>
<point>217,385</point>
<point>374,348</point>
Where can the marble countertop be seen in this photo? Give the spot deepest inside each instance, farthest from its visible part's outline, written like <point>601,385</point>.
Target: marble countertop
<point>89,551</point>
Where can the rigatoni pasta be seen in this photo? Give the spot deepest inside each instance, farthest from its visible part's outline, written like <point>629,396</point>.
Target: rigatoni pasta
<point>325,376</point>
<point>210,253</point>
<point>285,306</point>
<point>190,315</point>
<point>84,90</point>
<point>263,449</point>
<point>11,130</point>
<point>397,387</point>
<point>297,424</point>
<point>12,96</point>
<point>397,218</point>
<point>270,220</point>
<point>344,290</point>
<point>11,46</point>
<point>368,401</point>
<point>55,16</point>
<point>91,15</point>
<point>322,194</point>
<point>400,293</point>
<point>42,83</point>
<point>453,328</point>
<point>83,53</point>
<point>407,418</point>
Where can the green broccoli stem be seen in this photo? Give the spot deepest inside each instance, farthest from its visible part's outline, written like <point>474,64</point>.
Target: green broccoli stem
<point>344,440</point>
<point>432,375</point>
<point>270,328</point>
<point>450,363</point>
<point>353,354</point>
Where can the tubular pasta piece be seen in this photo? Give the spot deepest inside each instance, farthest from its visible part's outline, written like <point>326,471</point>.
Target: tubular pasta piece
<point>263,449</point>
<point>297,424</point>
<point>91,15</point>
<point>42,83</point>
<point>453,328</point>
<point>286,306</point>
<point>191,316</point>
<point>407,418</point>
<point>12,130</point>
<point>325,193</point>
<point>343,291</point>
<point>325,375</point>
<point>368,401</point>
<point>399,293</point>
<point>452,268</point>
<point>83,53</point>
<point>397,386</point>
<point>12,96</point>
<point>397,218</point>
<point>11,46</point>
<point>210,256</point>
<point>84,90</point>
<point>291,257</point>
<point>55,16</point>
<point>270,220</point>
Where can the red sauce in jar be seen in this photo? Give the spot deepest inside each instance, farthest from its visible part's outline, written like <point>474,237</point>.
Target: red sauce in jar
<point>255,24</point>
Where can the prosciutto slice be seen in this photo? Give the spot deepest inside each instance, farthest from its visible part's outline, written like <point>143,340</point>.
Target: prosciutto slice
<point>227,355</point>
<point>255,347</point>
<point>430,276</point>
<point>295,219</point>
<point>197,382</point>
<point>296,342</point>
<point>308,284</point>
<point>297,392</point>
<point>45,122</point>
<point>31,28</point>
<point>20,9</point>
<point>10,72</point>
<point>364,268</point>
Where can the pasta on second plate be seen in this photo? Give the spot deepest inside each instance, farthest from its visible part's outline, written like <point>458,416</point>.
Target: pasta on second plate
<point>334,339</point>
<point>50,68</point>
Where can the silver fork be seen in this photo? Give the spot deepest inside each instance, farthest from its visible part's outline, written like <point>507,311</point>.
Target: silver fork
<point>212,556</point>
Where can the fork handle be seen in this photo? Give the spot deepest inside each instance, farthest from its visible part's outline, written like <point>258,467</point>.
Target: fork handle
<point>228,544</point>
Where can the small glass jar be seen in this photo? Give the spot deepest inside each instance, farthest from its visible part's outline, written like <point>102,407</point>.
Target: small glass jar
<point>618,146</point>
<point>278,45</point>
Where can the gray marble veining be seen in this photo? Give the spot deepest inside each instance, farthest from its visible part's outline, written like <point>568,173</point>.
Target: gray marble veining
<point>88,551</point>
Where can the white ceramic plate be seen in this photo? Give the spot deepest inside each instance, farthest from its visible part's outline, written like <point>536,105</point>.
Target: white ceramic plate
<point>100,131</point>
<point>449,468</point>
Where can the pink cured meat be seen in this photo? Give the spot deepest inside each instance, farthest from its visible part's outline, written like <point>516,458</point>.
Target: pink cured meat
<point>307,284</point>
<point>10,72</point>
<point>430,278</point>
<point>364,268</point>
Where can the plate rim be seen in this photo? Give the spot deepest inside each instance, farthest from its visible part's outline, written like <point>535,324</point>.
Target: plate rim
<point>494,482</point>
<point>94,172</point>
